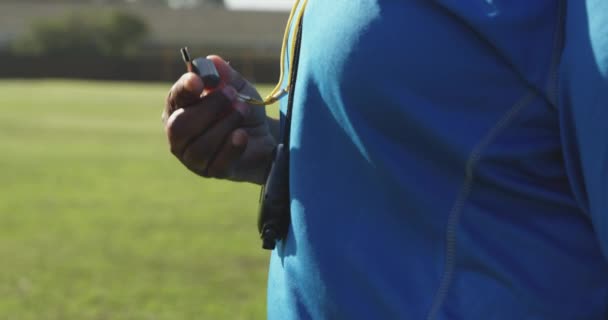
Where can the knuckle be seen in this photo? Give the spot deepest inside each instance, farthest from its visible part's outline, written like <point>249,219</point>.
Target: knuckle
<point>217,173</point>
<point>212,171</point>
<point>197,153</point>
<point>189,159</point>
<point>174,150</point>
<point>196,170</point>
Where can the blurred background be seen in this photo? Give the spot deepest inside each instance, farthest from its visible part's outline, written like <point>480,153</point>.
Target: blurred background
<point>97,219</point>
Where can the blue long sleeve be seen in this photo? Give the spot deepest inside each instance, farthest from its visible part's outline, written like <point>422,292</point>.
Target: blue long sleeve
<point>448,160</point>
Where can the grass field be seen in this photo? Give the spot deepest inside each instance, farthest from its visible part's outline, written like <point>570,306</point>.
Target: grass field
<point>99,221</point>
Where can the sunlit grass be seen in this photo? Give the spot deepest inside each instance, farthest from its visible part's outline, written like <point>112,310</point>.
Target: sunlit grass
<point>99,221</point>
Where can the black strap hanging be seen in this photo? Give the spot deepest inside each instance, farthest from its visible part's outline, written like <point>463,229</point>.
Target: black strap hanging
<point>274,213</point>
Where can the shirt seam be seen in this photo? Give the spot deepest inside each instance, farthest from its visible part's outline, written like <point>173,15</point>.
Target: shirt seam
<point>456,211</point>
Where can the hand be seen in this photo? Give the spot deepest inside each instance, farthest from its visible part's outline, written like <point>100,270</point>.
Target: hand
<point>215,135</point>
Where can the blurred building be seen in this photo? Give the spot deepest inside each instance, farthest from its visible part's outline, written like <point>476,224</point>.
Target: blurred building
<point>250,39</point>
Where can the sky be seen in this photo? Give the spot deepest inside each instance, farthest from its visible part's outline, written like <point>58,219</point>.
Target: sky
<point>274,5</point>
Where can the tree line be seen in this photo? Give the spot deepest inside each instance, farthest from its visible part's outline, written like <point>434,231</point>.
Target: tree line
<point>100,33</point>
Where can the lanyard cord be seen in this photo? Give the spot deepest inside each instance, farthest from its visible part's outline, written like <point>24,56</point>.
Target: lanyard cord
<point>278,92</point>
<point>292,83</point>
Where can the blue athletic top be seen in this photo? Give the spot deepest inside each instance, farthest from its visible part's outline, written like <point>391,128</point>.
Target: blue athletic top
<point>449,160</point>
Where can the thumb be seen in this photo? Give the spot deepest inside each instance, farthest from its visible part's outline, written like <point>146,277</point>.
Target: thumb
<point>231,77</point>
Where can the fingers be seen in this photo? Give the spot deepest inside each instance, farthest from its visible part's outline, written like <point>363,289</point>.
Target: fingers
<point>199,154</point>
<point>230,77</point>
<point>208,128</point>
<point>223,163</point>
<point>186,91</point>
<point>185,125</point>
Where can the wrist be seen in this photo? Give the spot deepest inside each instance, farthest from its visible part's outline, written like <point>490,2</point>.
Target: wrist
<point>254,165</point>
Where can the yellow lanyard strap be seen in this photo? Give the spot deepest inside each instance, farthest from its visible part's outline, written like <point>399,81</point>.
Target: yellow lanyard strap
<point>278,92</point>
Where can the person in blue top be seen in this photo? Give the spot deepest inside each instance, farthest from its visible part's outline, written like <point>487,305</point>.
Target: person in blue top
<point>448,159</point>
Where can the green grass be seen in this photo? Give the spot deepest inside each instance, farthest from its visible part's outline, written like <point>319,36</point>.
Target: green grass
<point>99,221</point>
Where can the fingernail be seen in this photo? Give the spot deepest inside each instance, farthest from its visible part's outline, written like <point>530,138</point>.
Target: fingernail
<point>243,108</point>
<point>229,92</point>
